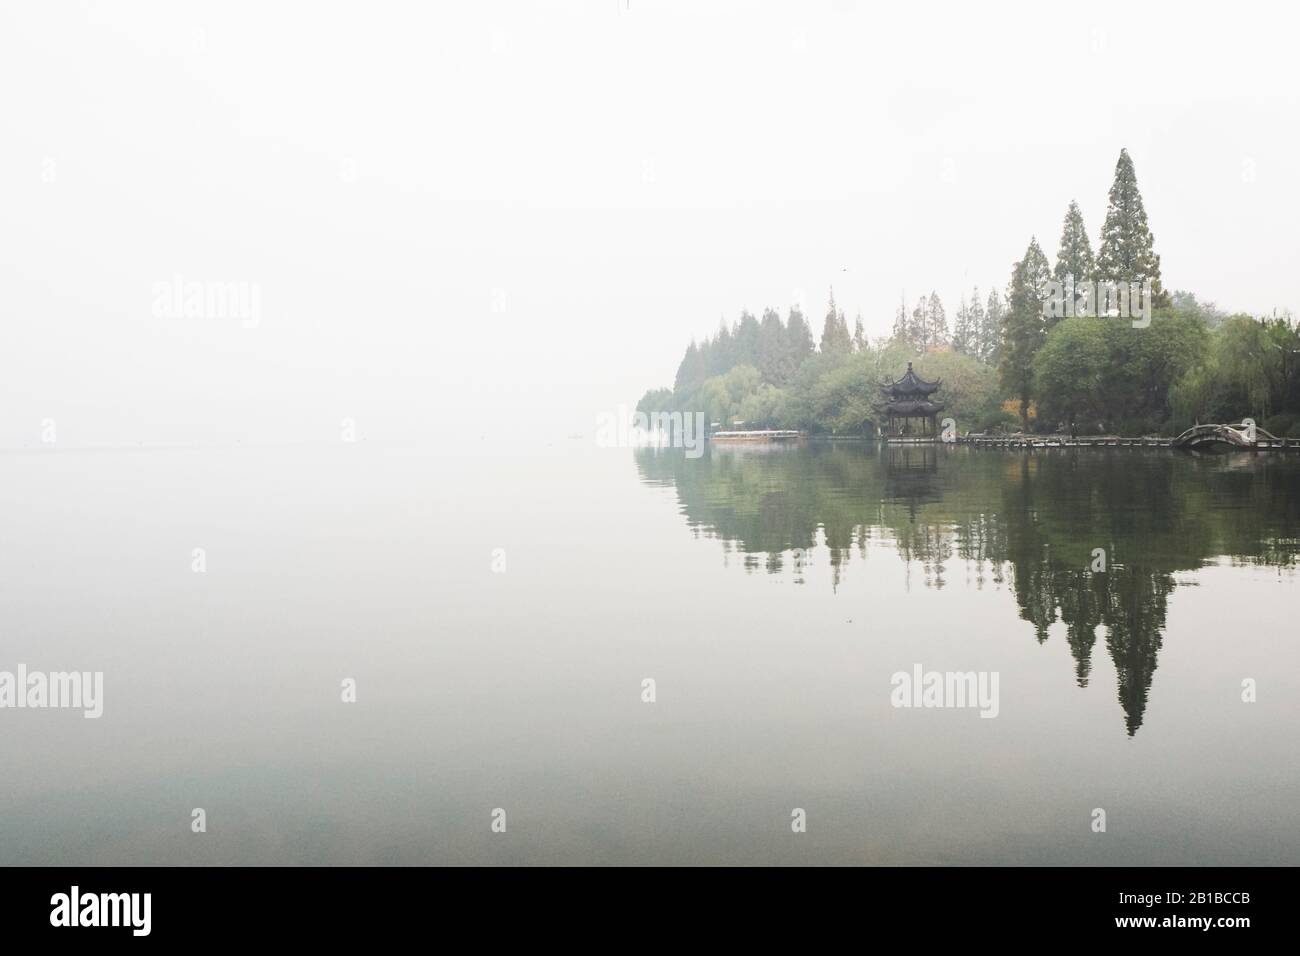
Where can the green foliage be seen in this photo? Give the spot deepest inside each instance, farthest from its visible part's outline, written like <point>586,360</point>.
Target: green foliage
<point>1023,328</point>
<point>1193,364</point>
<point>1074,257</point>
<point>720,397</point>
<point>1127,251</point>
<point>1070,373</point>
<point>657,400</point>
<point>1183,301</point>
<point>1251,370</point>
<point>843,399</point>
<point>775,361</point>
<point>745,336</point>
<point>1074,261</point>
<point>1098,374</point>
<point>971,393</point>
<point>1102,374</point>
<point>763,408</point>
<point>1285,425</point>
<point>835,332</point>
<point>799,336</point>
<point>936,322</point>
<point>963,329</point>
<point>990,336</point>
<point>901,330</point>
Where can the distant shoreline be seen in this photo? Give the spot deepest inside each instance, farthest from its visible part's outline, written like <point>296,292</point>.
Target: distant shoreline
<point>1009,441</point>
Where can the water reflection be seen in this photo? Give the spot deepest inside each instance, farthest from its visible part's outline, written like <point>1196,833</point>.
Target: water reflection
<point>1086,537</point>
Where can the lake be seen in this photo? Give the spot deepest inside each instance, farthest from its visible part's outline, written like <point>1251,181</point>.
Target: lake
<point>502,607</point>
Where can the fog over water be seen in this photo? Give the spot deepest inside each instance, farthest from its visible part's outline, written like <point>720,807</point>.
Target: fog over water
<point>462,237</point>
<point>522,689</point>
<point>469,219</point>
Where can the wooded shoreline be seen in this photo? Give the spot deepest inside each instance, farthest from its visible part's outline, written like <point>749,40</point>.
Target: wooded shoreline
<point>1011,441</point>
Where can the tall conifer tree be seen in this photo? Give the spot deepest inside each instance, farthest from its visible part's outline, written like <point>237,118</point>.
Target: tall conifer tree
<point>1127,252</point>
<point>961,329</point>
<point>799,336</point>
<point>773,350</point>
<point>936,321</point>
<point>746,339</point>
<point>975,322</point>
<point>835,331</point>
<point>992,335</point>
<point>1024,329</point>
<point>900,321</point>
<point>1074,260</point>
<point>918,327</point>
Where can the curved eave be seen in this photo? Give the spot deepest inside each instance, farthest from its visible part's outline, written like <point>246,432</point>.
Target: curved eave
<point>913,408</point>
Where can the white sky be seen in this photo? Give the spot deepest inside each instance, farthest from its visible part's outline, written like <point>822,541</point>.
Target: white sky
<point>618,175</point>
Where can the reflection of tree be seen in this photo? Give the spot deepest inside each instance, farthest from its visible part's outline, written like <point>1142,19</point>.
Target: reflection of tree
<point>1082,596</point>
<point>1041,515</point>
<point>1135,619</point>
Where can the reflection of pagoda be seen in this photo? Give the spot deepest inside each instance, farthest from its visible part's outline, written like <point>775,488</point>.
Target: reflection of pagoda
<point>912,474</point>
<point>909,399</point>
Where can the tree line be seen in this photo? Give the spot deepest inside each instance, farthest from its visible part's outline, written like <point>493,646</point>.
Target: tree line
<point>1006,361</point>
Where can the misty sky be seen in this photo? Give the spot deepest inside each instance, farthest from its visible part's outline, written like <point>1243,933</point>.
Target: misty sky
<point>492,216</point>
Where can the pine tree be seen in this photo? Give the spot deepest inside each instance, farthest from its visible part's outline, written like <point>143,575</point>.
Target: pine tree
<point>859,335</point>
<point>961,331</point>
<point>918,330</point>
<point>1127,251</point>
<point>1024,329</point>
<point>835,332</point>
<point>936,322</point>
<point>900,333</point>
<point>975,322</point>
<point>721,351</point>
<point>1074,260</point>
<point>773,353</point>
<point>691,373</point>
<point>992,334</point>
<point>746,338</point>
<point>798,336</point>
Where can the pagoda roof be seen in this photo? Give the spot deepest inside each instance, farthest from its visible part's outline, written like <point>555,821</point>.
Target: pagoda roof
<point>905,408</point>
<point>911,385</point>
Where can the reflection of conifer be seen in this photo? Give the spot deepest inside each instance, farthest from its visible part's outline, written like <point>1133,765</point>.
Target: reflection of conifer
<point>1041,515</point>
<point>1031,572</point>
<point>1082,596</point>
<point>1135,617</point>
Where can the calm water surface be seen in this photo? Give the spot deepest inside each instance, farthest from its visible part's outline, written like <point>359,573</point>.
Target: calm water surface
<point>770,593</point>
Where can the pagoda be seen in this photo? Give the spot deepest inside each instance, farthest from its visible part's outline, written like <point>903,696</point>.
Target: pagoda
<point>906,401</point>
